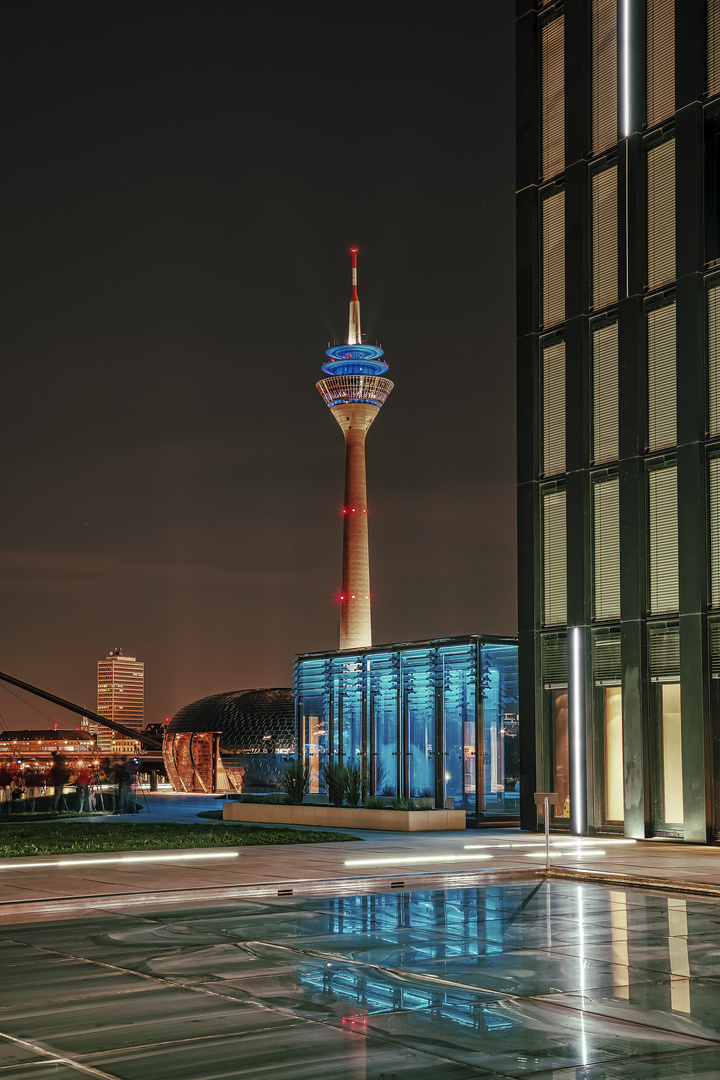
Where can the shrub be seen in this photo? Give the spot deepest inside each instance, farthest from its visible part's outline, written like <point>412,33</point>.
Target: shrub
<point>424,804</point>
<point>388,790</point>
<point>335,780</point>
<point>354,783</point>
<point>295,782</point>
<point>400,802</point>
<point>374,802</point>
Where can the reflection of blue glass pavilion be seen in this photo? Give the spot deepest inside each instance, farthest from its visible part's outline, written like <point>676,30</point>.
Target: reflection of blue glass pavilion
<point>436,719</point>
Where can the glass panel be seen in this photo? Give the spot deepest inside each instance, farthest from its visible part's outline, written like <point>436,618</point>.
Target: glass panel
<point>459,682</point>
<point>672,752</point>
<point>313,705</point>
<point>554,409</point>
<point>384,720</point>
<point>715,725</point>
<point>553,98</point>
<point>668,812</point>
<point>419,720</point>
<point>558,705</point>
<point>614,763</point>
<point>554,558</point>
<point>348,680</point>
<point>501,762</point>
<point>315,732</point>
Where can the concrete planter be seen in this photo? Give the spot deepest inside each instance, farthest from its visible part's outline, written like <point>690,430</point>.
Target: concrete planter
<point>345,817</point>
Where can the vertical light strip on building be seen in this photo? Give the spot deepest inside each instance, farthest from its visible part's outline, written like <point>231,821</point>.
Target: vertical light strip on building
<point>626,124</point>
<point>577,697</point>
<point>626,67</point>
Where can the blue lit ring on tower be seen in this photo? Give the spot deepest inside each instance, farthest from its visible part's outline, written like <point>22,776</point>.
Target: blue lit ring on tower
<point>355,360</point>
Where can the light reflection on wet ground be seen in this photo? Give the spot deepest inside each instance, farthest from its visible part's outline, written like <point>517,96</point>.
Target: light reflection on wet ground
<point>538,978</point>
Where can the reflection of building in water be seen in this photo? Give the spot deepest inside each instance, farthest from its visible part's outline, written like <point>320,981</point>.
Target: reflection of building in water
<point>433,719</point>
<point>237,741</point>
<point>618,326</point>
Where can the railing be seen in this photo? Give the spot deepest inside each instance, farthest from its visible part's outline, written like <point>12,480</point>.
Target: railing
<point>369,389</point>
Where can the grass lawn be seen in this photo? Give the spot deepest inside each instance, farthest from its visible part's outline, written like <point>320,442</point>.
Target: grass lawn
<point>75,838</point>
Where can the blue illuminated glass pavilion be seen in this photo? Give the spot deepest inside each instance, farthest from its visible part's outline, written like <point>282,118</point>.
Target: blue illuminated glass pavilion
<point>430,719</point>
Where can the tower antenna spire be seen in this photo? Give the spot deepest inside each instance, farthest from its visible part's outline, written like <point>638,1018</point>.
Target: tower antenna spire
<point>354,332</point>
<point>355,391</point>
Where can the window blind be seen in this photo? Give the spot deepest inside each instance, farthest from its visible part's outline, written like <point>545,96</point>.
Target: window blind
<point>553,249</point>
<point>554,409</point>
<point>605,393</point>
<point>713,46</point>
<point>661,213</point>
<point>663,522</point>
<point>553,97</point>
<point>714,634</point>
<point>604,75</point>
<point>554,660</point>
<point>607,663</point>
<point>715,532</point>
<point>660,60</point>
<point>664,653</point>
<point>662,378</point>
<point>554,558</point>
<point>606,521</point>
<point>604,238</point>
<point>713,330</point>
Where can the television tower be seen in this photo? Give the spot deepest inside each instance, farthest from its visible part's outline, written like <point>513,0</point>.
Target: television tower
<point>355,392</point>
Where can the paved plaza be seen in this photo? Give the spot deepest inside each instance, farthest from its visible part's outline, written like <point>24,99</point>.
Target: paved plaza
<point>401,955</point>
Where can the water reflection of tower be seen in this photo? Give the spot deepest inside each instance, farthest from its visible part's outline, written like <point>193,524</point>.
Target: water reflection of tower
<point>355,392</point>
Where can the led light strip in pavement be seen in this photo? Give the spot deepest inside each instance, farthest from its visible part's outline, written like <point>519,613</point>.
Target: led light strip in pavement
<point>553,843</point>
<point>124,859</point>
<point>407,860</point>
<point>564,854</point>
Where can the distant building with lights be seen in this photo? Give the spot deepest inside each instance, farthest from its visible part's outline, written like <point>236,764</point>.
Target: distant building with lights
<point>120,698</point>
<point>618,301</point>
<point>436,720</point>
<point>36,746</point>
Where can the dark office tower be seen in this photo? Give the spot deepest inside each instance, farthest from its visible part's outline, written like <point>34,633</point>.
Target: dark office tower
<point>619,413</point>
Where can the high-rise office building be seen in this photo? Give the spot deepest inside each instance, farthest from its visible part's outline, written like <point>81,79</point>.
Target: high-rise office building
<point>619,413</point>
<point>354,390</point>
<point>121,698</point>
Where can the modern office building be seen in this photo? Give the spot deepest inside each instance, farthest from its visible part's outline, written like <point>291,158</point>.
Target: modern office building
<point>430,719</point>
<point>354,390</point>
<point>120,698</point>
<point>618,239</point>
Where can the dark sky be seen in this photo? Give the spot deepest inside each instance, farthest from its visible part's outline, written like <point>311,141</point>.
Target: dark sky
<point>181,183</point>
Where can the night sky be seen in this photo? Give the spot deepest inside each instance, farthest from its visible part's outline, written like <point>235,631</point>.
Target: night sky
<point>180,186</point>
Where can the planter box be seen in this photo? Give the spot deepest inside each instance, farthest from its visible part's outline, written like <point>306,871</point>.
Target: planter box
<point>345,817</point>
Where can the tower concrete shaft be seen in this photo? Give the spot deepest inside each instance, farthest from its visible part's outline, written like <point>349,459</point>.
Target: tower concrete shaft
<point>355,392</point>
<point>355,624</point>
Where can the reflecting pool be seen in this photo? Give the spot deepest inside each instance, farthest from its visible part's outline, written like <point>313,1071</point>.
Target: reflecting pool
<point>530,978</point>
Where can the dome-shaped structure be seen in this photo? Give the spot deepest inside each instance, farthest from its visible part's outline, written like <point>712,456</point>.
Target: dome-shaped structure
<point>236,741</point>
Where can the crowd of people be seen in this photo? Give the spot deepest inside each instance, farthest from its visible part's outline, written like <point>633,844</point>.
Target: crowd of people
<point>97,785</point>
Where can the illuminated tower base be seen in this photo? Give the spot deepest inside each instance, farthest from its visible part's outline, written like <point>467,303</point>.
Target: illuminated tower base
<point>355,393</point>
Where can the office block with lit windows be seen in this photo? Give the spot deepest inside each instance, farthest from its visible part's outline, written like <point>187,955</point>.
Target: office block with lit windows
<point>619,413</point>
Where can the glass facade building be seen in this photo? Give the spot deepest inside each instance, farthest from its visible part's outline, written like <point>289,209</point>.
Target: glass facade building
<point>618,242</point>
<point>430,719</point>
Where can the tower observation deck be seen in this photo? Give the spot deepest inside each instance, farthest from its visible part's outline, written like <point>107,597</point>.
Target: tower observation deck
<point>355,391</point>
